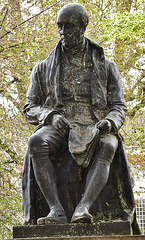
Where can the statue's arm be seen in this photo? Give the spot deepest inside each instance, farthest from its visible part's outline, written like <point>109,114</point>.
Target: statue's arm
<point>115,98</point>
<point>34,110</point>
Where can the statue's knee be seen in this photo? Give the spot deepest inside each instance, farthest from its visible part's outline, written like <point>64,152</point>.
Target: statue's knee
<point>35,144</point>
<point>107,147</point>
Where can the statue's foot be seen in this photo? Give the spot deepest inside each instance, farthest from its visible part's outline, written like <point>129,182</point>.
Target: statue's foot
<point>81,215</point>
<point>55,216</point>
<point>28,223</point>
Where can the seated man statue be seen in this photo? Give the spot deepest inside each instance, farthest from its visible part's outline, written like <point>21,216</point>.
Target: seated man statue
<point>74,90</point>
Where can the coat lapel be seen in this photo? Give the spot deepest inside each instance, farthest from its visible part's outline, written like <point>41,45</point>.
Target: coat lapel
<point>99,80</point>
<point>54,76</point>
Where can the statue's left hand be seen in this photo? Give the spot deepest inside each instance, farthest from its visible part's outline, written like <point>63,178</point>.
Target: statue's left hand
<point>104,126</point>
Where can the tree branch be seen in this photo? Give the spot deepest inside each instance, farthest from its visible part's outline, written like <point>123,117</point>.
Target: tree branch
<point>12,46</point>
<point>133,111</point>
<point>33,4</point>
<point>4,29</point>
<point>131,96</point>
<point>4,18</point>
<point>30,18</point>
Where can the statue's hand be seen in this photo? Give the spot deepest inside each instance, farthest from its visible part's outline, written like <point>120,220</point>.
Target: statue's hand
<point>61,124</point>
<point>104,126</point>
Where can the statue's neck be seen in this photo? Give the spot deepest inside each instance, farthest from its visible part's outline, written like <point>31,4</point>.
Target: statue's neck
<point>76,49</point>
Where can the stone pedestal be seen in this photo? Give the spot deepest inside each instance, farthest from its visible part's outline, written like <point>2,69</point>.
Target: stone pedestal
<point>138,237</point>
<point>65,231</point>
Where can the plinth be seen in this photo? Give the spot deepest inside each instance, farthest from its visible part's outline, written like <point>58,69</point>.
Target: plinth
<point>72,230</point>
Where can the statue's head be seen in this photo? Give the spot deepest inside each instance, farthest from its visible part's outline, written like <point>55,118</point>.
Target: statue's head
<point>72,22</point>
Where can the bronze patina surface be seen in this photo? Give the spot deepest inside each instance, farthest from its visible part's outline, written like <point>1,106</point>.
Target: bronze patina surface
<point>75,168</point>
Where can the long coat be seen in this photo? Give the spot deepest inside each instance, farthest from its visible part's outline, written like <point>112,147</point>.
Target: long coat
<point>44,98</point>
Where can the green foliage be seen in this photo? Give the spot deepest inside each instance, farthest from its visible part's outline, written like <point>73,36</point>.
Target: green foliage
<point>117,25</point>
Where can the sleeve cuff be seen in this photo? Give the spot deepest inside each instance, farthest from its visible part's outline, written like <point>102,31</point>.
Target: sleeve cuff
<point>46,114</point>
<point>114,128</point>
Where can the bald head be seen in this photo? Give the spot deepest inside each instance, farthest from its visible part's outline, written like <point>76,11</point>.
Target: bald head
<point>75,13</point>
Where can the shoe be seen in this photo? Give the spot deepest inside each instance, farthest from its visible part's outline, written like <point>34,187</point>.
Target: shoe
<point>81,215</point>
<point>29,223</point>
<point>55,216</point>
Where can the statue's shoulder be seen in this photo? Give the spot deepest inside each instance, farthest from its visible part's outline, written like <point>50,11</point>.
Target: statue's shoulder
<point>108,63</point>
<point>112,70</point>
<point>97,50</point>
<point>94,45</point>
<point>111,66</point>
<point>100,51</point>
<point>50,57</point>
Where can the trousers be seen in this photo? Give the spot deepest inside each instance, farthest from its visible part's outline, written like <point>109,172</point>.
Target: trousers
<point>47,141</point>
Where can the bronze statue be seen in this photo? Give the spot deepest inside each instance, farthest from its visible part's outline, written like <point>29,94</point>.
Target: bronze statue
<point>74,92</point>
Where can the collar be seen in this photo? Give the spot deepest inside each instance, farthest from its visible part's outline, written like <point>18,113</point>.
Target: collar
<point>84,55</point>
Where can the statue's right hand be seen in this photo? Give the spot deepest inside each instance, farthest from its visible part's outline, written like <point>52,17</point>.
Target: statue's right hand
<point>61,124</point>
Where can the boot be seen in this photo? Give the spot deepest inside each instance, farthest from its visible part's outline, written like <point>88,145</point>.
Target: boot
<point>55,216</point>
<point>96,180</point>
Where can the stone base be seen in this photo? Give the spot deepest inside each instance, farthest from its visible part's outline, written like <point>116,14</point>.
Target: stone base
<point>89,238</point>
<point>68,230</point>
<point>137,237</point>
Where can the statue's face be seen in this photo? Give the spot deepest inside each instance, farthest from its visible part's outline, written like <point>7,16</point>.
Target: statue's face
<point>70,31</point>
